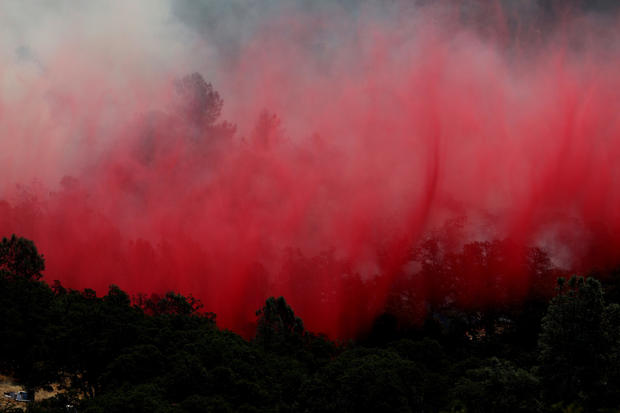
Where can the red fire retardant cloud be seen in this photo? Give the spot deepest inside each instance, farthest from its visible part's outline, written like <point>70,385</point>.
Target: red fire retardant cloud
<point>371,143</point>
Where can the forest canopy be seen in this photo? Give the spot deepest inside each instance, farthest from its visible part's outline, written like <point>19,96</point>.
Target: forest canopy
<point>164,353</point>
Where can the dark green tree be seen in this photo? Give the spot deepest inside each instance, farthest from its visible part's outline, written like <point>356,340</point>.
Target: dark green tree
<point>25,304</point>
<point>279,329</point>
<point>19,258</point>
<point>572,343</point>
<point>364,380</point>
<point>171,303</point>
<point>91,332</point>
<point>498,386</point>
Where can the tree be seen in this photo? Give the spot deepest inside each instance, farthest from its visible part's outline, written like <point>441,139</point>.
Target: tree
<point>19,258</point>
<point>572,342</point>
<point>91,332</point>
<point>171,303</point>
<point>268,130</point>
<point>498,386</point>
<point>611,332</point>
<point>364,380</point>
<point>25,304</point>
<point>199,102</point>
<point>278,328</point>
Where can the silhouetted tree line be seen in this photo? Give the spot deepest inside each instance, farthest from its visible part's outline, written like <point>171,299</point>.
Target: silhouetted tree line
<point>164,354</point>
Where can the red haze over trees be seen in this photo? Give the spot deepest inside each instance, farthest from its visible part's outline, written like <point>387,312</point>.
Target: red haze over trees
<point>389,157</point>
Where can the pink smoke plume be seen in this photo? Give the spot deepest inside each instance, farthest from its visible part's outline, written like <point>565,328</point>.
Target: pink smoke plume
<point>126,173</point>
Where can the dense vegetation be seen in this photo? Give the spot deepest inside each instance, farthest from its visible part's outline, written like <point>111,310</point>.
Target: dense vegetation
<point>164,354</point>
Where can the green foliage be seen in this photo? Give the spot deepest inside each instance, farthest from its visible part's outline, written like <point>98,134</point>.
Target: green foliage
<point>163,354</point>
<point>91,332</point>
<point>141,398</point>
<point>278,327</point>
<point>19,258</point>
<point>571,339</point>
<point>365,380</point>
<point>171,303</point>
<point>610,325</point>
<point>579,346</point>
<point>26,347</point>
<point>498,386</point>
